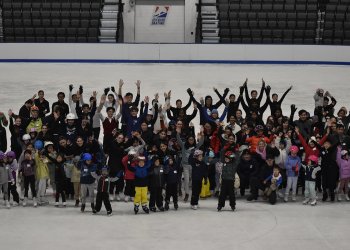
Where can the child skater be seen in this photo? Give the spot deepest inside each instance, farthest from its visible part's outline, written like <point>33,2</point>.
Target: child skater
<point>141,181</point>
<point>13,167</point>
<point>103,184</point>
<point>27,170</point>
<point>199,171</point>
<point>227,174</point>
<point>5,177</point>
<point>171,180</point>
<point>60,177</point>
<point>344,173</point>
<point>273,182</point>
<point>292,164</point>
<point>87,181</point>
<point>310,180</point>
<point>156,185</point>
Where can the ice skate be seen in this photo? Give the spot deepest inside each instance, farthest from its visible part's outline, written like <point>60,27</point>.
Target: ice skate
<point>339,197</point>
<point>136,209</point>
<point>25,201</point>
<point>219,208</point>
<point>109,213</point>
<point>7,203</point>
<point>325,196</point>
<point>153,209</point>
<point>347,197</point>
<point>176,206</point>
<point>93,207</point>
<point>145,209</point>
<point>166,206</point>
<point>34,202</point>
<point>126,198</point>
<point>111,197</point>
<point>186,198</point>
<point>294,198</point>
<point>76,203</point>
<point>82,209</point>
<point>194,207</point>
<point>56,204</point>
<point>161,209</point>
<point>285,198</point>
<point>313,202</point>
<point>117,197</point>
<point>64,204</point>
<point>306,201</point>
<point>233,208</point>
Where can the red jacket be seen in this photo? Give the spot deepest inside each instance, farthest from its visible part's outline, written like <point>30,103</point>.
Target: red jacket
<point>254,140</point>
<point>128,175</point>
<point>309,150</point>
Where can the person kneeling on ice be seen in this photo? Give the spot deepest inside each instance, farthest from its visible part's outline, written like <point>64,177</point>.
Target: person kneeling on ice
<point>310,180</point>
<point>199,171</point>
<point>103,184</point>
<point>141,181</point>
<point>227,180</point>
<point>273,182</point>
<point>87,181</point>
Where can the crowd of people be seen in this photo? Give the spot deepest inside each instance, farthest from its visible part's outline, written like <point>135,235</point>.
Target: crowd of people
<point>152,153</point>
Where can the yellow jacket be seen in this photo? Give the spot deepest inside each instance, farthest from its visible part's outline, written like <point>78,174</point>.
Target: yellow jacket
<point>41,170</point>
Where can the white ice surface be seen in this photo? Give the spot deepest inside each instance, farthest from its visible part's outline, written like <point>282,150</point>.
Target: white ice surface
<point>252,226</point>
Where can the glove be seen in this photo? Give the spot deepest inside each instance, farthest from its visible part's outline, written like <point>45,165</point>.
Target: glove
<point>106,91</point>
<point>81,89</point>
<point>113,89</point>
<point>293,108</point>
<point>268,88</point>
<point>70,87</point>
<point>189,91</point>
<point>226,90</point>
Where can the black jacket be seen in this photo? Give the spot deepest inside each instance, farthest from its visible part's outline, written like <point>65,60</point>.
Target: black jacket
<point>157,176</point>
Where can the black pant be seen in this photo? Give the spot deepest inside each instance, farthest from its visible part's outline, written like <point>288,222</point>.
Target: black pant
<point>96,132</point>
<point>103,196</point>
<point>196,190</point>
<point>179,180</point>
<point>227,189</point>
<point>330,177</point>
<point>13,190</point>
<point>29,180</point>
<point>69,188</point>
<point>129,188</point>
<point>244,183</point>
<point>117,185</point>
<point>319,180</point>
<point>156,197</point>
<point>273,198</point>
<point>171,192</point>
<point>60,190</point>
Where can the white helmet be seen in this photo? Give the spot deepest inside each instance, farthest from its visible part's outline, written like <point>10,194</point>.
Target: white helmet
<point>26,137</point>
<point>71,116</point>
<point>47,143</point>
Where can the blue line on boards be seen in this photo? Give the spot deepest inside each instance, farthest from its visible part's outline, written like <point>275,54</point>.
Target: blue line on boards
<point>170,61</point>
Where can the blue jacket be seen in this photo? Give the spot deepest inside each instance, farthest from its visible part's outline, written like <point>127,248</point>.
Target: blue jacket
<point>133,123</point>
<point>86,170</point>
<point>279,179</point>
<point>141,174</point>
<point>293,163</point>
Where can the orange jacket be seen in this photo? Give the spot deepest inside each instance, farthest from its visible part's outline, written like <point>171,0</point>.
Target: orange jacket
<point>254,140</point>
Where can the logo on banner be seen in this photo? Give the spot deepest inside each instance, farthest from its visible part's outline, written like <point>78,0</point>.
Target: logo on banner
<point>159,15</point>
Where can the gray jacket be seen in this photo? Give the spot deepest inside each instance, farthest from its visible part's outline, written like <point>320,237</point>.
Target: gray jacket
<point>186,152</point>
<point>5,174</point>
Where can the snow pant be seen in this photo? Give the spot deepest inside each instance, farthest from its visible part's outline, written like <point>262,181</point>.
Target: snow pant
<point>343,185</point>
<point>141,196</point>
<point>227,189</point>
<point>4,188</point>
<point>129,188</point>
<point>196,189</point>
<point>330,178</point>
<point>103,196</point>
<point>187,173</point>
<point>205,190</point>
<point>29,180</point>
<point>52,178</point>
<point>69,187</point>
<point>117,185</point>
<point>244,181</point>
<point>211,177</point>
<point>292,183</point>
<point>310,192</point>
<point>319,180</point>
<point>12,189</point>
<point>96,132</point>
<point>156,197</point>
<point>76,186</point>
<point>60,191</point>
<point>41,184</point>
<point>87,188</point>
<point>171,192</point>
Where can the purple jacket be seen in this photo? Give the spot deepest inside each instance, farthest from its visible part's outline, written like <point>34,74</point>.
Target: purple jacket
<point>344,166</point>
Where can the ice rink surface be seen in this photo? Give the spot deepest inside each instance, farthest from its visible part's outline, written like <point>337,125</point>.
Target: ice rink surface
<point>252,226</point>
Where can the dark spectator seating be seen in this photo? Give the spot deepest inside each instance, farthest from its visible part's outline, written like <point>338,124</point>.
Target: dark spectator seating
<point>51,20</point>
<point>336,27</point>
<point>268,21</point>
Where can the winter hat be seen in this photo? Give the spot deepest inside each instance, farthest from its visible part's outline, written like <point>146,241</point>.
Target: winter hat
<point>215,111</point>
<point>344,152</point>
<point>141,158</point>
<point>312,139</point>
<point>197,153</point>
<point>294,149</point>
<point>230,155</point>
<point>211,154</point>
<point>343,109</point>
<point>313,158</point>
